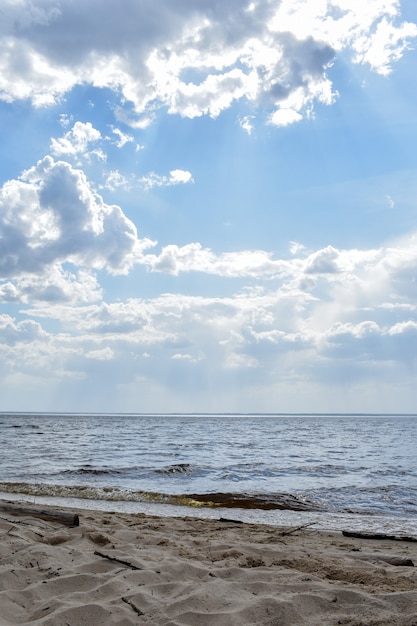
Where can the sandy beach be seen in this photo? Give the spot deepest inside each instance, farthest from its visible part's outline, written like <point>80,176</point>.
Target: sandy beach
<point>116,568</point>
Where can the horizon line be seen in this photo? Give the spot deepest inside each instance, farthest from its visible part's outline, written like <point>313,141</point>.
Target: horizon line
<point>209,413</point>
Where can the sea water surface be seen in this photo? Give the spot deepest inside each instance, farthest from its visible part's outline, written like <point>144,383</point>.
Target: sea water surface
<point>333,471</point>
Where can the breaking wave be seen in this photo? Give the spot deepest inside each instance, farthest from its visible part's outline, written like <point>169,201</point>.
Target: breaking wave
<point>225,500</point>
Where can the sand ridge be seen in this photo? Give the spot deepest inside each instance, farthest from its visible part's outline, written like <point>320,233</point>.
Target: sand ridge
<point>124,569</point>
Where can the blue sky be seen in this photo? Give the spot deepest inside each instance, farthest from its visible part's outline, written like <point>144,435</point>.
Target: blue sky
<point>208,206</point>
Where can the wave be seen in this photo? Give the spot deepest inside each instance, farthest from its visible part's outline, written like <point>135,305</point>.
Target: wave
<point>266,502</point>
<point>90,471</point>
<point>181,468</point>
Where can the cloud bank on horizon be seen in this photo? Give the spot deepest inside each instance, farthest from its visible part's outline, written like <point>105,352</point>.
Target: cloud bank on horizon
<point>208,206</point>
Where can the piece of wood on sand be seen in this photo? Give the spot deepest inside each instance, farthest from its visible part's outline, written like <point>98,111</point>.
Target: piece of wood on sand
<point>401,561</point>
<point>379,536</point>
<point>64,517</point>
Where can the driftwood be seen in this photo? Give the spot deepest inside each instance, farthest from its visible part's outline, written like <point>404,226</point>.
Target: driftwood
<point>380,536</point>
<point>132,606</point>
<point>69,519</point>
<point>400,561</point>
<point>285,533</point>
<point>116,560</point>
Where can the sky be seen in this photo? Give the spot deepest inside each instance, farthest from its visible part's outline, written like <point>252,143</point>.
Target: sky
<point>208,206</point>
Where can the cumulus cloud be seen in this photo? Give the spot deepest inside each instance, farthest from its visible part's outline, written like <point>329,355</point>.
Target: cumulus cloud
<point>298,318</point>
<point>12,332</point>
<point>317,318</point>
<point>348,277</point>
<point>51,214</point>
<point>56,232</point>
<point>195,58</point>
<point>54,284</point>
<point>369,341</point>
<point>175,259</point>
<point>265,329</point>
<point>326,287</point>
<point>49,217</point>
<point>323,261</point>
<point>76,140</point>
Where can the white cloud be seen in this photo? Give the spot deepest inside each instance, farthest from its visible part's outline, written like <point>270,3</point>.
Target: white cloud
<point>285,117</point>
<point>183,357</point>
<point>247,123</point>
<point>53,284</point>
<point>98,153</point>
<point>327,287</point>
<point>104,354</point>
<point>385,45</point>
<point>12,332</point>
<point>76,140</point>
<point>176,177</point>
<point>371,30</point>
<point>50,217</point>
<point>370,342</point>
<point>115,180</point>
<point>175,259</point>
<point>296,247</point>
<point>260,328</point>
<point>180,176</point>
<point>308,326</point>
<point>198,59</point>
<point>390,201</point>
<point>123,138</point>
<point>53,214</point>
<point>285,323</point>
<point>323,261</point>
<point>65,120</point>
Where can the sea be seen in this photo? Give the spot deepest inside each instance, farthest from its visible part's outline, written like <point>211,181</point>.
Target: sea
<point>333,472</point>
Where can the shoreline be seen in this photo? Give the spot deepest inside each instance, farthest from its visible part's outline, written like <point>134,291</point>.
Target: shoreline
<point>320,520</point>
<point>123,568</point>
